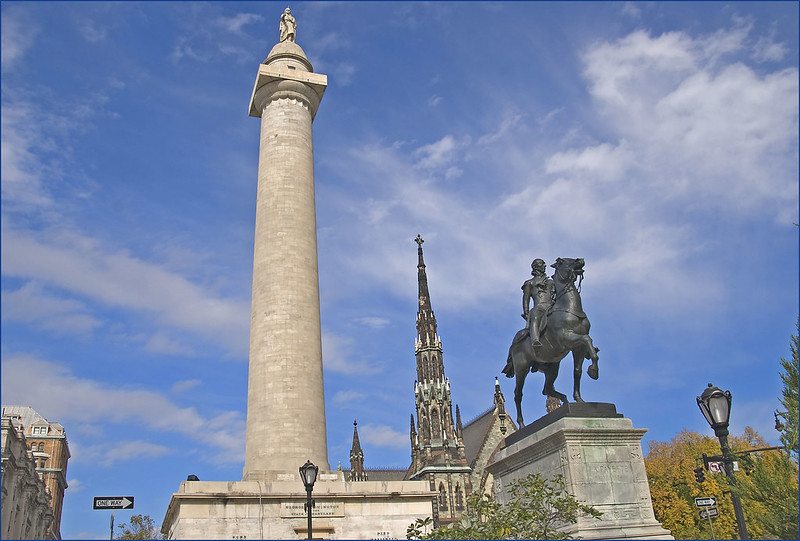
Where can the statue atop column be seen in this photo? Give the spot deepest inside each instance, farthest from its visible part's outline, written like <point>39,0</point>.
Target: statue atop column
<point>288,26</point>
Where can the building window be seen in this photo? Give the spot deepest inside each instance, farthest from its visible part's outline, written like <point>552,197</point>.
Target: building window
<point>436,426</point>
<point>41,447</point>
<point>442,498</point>
<point>39,431</point>
<point>459,498</point>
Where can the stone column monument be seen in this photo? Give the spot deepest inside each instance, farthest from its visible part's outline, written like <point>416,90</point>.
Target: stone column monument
<point>285,402</point>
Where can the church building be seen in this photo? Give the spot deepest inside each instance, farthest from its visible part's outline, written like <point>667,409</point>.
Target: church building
<point>450,456</point>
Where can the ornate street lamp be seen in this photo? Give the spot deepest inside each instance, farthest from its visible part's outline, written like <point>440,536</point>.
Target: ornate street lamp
<point>716,407</point>
<point>308,473</point>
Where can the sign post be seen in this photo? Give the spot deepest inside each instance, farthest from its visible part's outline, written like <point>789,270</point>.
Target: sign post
<point>708,511</point>
<point>112,502</point>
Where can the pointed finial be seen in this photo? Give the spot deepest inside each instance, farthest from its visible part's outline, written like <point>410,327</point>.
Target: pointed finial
<point>419,240</point>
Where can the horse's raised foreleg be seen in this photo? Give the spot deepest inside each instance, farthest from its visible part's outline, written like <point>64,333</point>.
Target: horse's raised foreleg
<point>583,343</point>
<point>550,375</point>
<point>593,370</point>
<point>577,357</point>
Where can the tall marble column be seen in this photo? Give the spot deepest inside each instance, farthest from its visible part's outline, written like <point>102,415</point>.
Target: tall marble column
<point>285,401</point>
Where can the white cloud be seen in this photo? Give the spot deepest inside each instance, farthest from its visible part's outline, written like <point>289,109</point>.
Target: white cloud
<point>75,485</point>
<point>163,344</point>
<point>108,454</point>
<point>79,264</point>
<point>438,154</point>
<point>767,49</point>
<point>373,322</point>
<point>236,22</point>
<point>31,304</point>
<point>604,161</point>
<point>383,436</point>
<point>699,129</point>
<point>16,35</point>
<point>186,385</point>
<point>71,399</point>
<point>337,356</point>
<point>92,31</point>
<point>348,397</point>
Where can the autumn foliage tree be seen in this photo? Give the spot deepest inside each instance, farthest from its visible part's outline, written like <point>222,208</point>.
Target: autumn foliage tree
<point>673,488</point>
<point>140,527</point>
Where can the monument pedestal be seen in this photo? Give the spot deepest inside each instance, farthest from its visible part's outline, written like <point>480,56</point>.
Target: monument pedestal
<point>599,453</point>
<point>276,509</point>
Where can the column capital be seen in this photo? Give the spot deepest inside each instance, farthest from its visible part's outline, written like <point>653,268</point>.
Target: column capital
<point>275,82</point>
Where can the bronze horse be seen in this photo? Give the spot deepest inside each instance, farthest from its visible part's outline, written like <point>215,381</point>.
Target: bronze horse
<point>567,330</point>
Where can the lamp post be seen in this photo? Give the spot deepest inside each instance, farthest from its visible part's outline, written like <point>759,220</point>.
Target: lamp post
<point>308,472</point>
<point>716,407</point>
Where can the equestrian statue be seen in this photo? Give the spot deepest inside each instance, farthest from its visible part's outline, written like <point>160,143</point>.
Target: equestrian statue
<point>556,326</point>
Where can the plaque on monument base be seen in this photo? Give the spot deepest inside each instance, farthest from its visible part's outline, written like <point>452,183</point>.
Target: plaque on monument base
<point>275,509</point>
<point>599,453</point>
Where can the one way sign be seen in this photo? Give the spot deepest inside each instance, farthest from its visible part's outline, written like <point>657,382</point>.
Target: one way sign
<point>113,502</point>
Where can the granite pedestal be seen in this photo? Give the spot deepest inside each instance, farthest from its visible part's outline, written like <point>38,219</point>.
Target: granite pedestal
<point>275,509</point>
<point>599,453</point>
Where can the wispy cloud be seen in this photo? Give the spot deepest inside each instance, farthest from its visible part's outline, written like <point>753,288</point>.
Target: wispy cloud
<point>383,436</point>
<point>60,394</point>
<point>186,385</point>
<point>17,35</point>
<point>338,356</point>
<point>31,304</point>
<point>348,397</point>
<point>80,265</point>
<point>109,454</point>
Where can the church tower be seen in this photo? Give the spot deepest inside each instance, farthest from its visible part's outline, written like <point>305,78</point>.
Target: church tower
<point>357,472</point>
<point>437,446</point>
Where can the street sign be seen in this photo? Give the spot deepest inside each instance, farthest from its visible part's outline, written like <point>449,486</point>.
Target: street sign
<point>113,502</point>
<point>709,512</point>
<point>705,502</point>
<point>715,467</point>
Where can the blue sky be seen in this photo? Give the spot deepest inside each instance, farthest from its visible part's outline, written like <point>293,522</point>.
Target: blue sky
<point>659,141</point>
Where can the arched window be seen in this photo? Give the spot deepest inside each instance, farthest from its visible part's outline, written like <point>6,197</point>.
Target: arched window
<point>41,447</point>
<point>436,427</point>
<point>442,498</point>
<point>459,498</point>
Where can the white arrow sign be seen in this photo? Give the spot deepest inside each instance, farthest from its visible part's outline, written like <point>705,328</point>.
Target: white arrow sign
<point>705,502</point>
<point>118,502</point>
<point>709,512</point>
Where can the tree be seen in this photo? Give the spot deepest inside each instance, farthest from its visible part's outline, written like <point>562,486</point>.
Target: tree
<point>539,509</point>
<point>773,479</point>
<point>141,527</point>
<point>789,399</point>
<point>673,487</point>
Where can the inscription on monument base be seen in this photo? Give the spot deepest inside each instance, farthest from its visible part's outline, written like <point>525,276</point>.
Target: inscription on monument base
<point>320,509</point>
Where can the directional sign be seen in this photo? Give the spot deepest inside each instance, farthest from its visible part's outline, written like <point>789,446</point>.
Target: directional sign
<point>705,502</point>
<point>113,502</point>
<point>715,467</point>
<point>709,512</point>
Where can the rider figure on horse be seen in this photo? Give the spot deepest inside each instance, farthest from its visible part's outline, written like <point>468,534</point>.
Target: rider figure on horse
<point>541,289</point>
